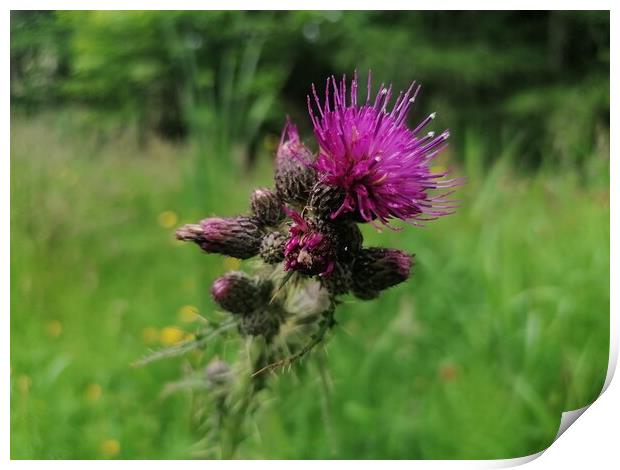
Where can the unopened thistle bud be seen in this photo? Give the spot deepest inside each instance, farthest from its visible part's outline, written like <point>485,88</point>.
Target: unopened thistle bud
<point>272,247</point>
<point>238,237</point>
<point>266,207</point>
<point>325,200</point>
<point>260,323</point>
<point>294,174</point>
<point>376,269</point>
<point>238,293</point>
<point>329,203</point>
<point>339,280</point>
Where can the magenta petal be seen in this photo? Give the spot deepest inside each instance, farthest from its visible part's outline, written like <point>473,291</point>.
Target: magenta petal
<point>368,151</point>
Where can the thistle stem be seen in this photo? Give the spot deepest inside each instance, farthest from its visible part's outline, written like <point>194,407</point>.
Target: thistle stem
<point>325,325</point>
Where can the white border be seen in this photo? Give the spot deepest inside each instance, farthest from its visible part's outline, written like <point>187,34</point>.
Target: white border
<point>592,441</point>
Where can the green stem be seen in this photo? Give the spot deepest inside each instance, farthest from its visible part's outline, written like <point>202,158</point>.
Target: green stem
<point>233,435</point>
<point>327,322</point>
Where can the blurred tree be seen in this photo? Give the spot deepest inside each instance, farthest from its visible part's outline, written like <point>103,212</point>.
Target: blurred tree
<point>514,78</point>
<point>155,67</point>
<point>39,61</point>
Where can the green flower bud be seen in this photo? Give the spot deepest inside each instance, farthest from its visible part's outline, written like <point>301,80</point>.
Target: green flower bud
<point>294,175</point>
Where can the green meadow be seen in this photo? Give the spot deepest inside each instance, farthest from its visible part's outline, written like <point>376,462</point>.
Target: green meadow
<point>503,325</point>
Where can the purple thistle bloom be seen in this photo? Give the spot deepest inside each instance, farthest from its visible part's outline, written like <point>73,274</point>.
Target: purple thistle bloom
<point>308,250</point>
<point>371,154</point>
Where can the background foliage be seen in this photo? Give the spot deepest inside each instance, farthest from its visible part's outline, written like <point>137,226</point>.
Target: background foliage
<point>127,124</point>
<point>542,78</point>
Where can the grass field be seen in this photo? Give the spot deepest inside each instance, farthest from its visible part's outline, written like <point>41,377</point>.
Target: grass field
<point>504,324</point>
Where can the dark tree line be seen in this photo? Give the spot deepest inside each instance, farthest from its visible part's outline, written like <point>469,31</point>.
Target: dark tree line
<point>540,79</point>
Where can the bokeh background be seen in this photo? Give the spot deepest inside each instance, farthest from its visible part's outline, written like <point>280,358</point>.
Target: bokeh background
<point>125,125</point>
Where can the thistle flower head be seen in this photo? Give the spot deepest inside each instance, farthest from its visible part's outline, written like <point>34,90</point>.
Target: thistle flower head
<point>294,174</point>
<point>260,323</point>
<point>376,269</point>
<point>266,206</point>
<point>239,237</point>
<point>308,249</point>
<point>381,165</point>
<point>370,167</point>
<point>240,294</point>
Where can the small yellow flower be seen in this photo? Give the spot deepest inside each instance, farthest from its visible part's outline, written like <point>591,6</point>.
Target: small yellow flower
<point>188,314</point>
<point>23,384</point>
<point>231,264</point>
<point>150,335</point>
<point>93,393</point>
<point>171,335</point>
<point>167,219</point>
<point>110,447</point>
<point>54,328</point>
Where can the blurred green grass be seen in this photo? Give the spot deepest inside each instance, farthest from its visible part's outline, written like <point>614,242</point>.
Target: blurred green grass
<point>504,324</point>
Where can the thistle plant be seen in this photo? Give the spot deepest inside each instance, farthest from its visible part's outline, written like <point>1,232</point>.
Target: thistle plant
<point>370,167</point>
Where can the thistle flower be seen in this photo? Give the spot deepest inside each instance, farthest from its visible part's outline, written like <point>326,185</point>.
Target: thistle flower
<point>370,167</point>
<point>376,269</point>
<point>238,293</point>
<point>266,207</point>
<point>239,237</point>
<point>294,174</point>
<point>309,250</point>
<point>379,164</point>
